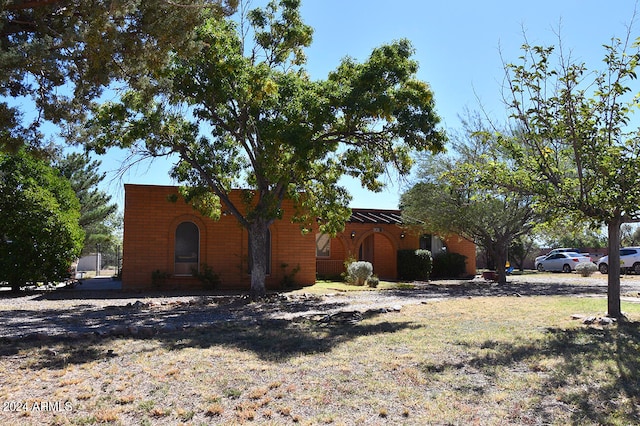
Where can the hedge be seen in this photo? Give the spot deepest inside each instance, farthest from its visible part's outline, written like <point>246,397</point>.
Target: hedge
<point>414,265</point>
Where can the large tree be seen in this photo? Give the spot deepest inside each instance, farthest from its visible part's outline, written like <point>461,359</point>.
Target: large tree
<point>96,209</point>
<point>243,112</point>
<point>566,232</point>
<point>629,235</point>
<point>61,54</point>
<point>576,139</point>
<point>39,231</point>
<point>458,192</point>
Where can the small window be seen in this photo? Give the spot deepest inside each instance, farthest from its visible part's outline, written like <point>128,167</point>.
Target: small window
<point>425,242</point>
<point>432,243</point>
<point>323,245</point>
<point>187,248</point>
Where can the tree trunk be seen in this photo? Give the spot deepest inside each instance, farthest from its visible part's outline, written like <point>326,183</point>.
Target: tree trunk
<point>613,281</point>
<point>498,253</point>
<point>258,253</point>
<point>501,261</point>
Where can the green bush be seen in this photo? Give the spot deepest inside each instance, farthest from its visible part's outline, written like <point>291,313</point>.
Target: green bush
<point>373,281</point>
<point>359,272</point>
<point>449,265</point>
<point>586,269</point>
<point>40,233</point>
<point>348,261</point>
<point>209,279</point>
<point>414,264</point>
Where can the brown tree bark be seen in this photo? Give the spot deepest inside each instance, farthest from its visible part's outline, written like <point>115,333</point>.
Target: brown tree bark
<point>613,280</point>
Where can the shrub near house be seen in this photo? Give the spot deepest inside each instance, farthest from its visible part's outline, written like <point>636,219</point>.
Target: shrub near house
<point>359,272</point>
<point>449,265</point>
<point>414,264</point>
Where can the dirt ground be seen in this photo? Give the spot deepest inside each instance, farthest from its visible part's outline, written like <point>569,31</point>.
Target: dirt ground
<point>77,313</point>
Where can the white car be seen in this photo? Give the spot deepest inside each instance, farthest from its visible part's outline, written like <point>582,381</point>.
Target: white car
<point>629,261</point>
<point>565,262</point>
<point>554,251</point>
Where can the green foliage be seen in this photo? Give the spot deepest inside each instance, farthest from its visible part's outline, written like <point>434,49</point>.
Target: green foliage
<point>564,232</point>
<point>460,193</point>
<point>373,281</point>
<point>50,48</point>
<point>574,132</point>
<point>449,265</point>
<point>260,122</point>
<point>576,141</point>
<point>414,264</point>
<point>348,261</point>
<point>203,201</point>
<point>39,232</point>
<point>209,279</point>
<point>520,249</point>
<point>630,235</point>
<point>586,269</point>
<point>359,272</point>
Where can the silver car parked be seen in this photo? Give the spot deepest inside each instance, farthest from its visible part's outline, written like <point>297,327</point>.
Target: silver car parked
<point>565,262</point>
<point>557,250</point>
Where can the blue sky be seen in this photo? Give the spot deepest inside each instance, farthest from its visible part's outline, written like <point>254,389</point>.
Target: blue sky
<point>458,45</point>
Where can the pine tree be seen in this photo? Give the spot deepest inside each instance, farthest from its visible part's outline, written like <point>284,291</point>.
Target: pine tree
<point>95,207</point>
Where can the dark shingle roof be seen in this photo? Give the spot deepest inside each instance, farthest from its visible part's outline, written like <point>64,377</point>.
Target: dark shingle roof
<point>392,217</point>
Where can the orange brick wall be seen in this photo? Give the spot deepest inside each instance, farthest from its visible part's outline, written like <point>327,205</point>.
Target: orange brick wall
<point>150,220</point>
<point>456,244</point>
<point>387,240</point>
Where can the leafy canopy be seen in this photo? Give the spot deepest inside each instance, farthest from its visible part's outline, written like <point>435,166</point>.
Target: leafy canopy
<point>243,112</point>
<point>96,209</point>
<point>250,116</point>
<point>574,131</point>
<point>460,193</point>
<point>39,213</point>
<point>59,56</point>
<point>577,140</point>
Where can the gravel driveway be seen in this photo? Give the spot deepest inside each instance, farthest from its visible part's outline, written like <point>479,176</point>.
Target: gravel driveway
<point>77,313</point>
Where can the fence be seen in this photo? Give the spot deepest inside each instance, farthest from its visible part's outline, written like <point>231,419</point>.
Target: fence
<point>329,268</point>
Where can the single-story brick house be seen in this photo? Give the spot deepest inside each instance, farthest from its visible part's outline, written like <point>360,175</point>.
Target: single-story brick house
<point>168,239</point>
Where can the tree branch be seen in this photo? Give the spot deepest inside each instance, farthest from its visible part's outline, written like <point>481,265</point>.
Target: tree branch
<point>31,4</point>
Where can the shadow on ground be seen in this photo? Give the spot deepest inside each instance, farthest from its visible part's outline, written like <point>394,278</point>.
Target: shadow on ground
<point>169,311</point>
<point>567,362</point>
<point>274,340</point>
<point>476,288</point>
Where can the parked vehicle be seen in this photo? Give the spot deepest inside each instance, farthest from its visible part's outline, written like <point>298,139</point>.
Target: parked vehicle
<point>558,250</point>
<point>564,261</point>
<point>629,261</point>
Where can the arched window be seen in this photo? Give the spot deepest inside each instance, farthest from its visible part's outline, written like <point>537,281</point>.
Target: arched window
<point>268,248</point>
<point>323,245</point>
<point>187,249</point>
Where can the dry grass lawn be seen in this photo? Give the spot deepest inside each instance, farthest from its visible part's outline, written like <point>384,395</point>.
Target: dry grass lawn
<point>487,360</point>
